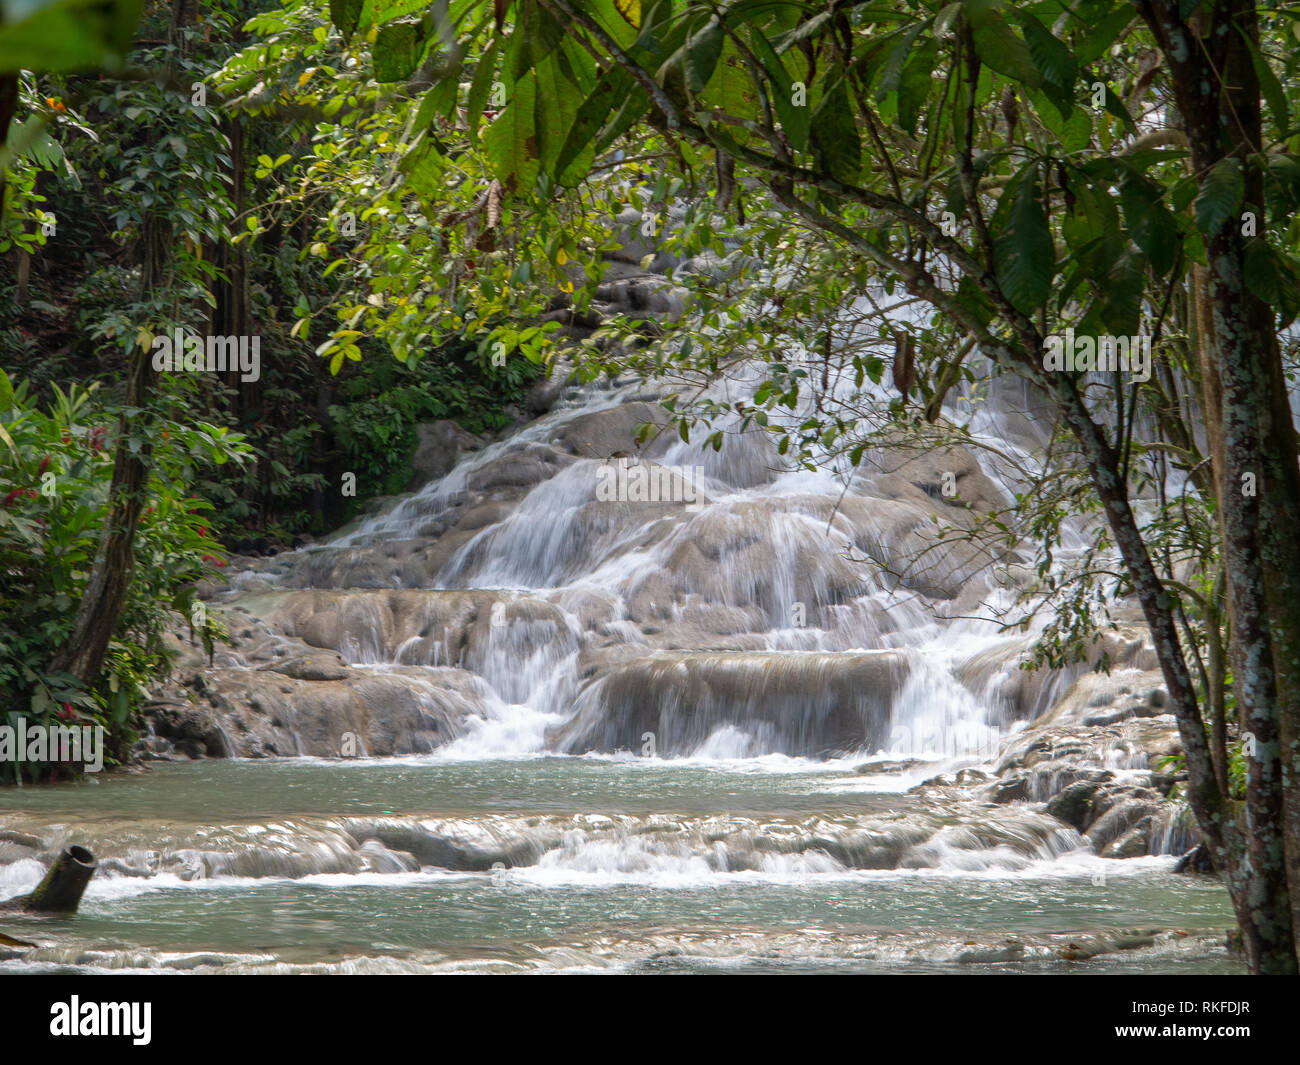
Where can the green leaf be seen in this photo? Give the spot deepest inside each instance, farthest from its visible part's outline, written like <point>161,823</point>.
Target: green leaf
<point>1023,255</point>
<point>397,50</point>
<point>1074,133</point>
<point>345,15</point>
<point>423,166</point>
<point>795,121</point>
<point>377,12</point>
<point>612,88</point>
<point>915,85</point>
<point>1102,30</point>
<point>68,35</point>
<point>998,46</point>
<point>1270,88</point>
<point>1220,196</point>
<point>1054,62</point>
<point>1150,224</point>
<point>1260,272</point>
<point>702,53</point>
<point>834,135</point>
<point>891,71</point>
<point>1121,289</point>
<point>555,109</point>
<point>511,142</point>
<point>480,88</point>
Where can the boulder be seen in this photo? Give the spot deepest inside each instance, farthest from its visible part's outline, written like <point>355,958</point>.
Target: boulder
<point>439,446</point>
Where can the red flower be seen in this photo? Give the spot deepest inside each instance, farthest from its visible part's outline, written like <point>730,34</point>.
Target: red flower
<point>17,493</point>
<point>45,465</point>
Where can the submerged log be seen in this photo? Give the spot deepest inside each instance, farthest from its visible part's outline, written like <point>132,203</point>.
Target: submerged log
<point>63,886</point>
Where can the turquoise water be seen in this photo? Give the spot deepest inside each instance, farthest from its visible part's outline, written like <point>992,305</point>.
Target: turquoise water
<point>573,864</point>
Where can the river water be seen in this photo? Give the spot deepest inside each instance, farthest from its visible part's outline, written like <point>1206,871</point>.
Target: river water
<point>555,863</point>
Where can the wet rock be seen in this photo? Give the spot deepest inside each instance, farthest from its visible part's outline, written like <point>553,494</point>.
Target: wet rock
<point>600,433</point>
<point>1134,843</point>
<point>312,667</point>
<point>439,446</point>
<point>1196,860</point>
<point>517,469</point>
<point>797,704</point>
<point>1118,820</point>
<point>546,392</point>
<point>1074,805</point>
<point>1013,789</point>
<point>900,766</point>
<point>949,476</point>
<point>189,731</point>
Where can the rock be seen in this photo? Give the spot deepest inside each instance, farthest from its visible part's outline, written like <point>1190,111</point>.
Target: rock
<point>801,704</point>
<point>439,447</point>
<point>312,667</point>
<point>1132,844</point>
<point>515,469</point>
<point>599,434</point>
<point>546,392</point>
<point>1074,805</point>
<point>1196,860</point>
<point>874,768</point>
<point>1123,815</point>
<point>950,476</point>
<point>1014,789</point>
<point>190,731</point>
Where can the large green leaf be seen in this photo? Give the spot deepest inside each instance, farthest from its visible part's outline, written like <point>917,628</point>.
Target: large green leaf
<point>424,167</point>
<point>1150,223</point>
<point>345,14</point>
<point>834,134</point>
<point>915,85</point>
<point>702,53</point>
<point>610,91</point>
<point>998,46</point>
<point>555,110</point>
<point>69,35</point>
<point>1121,292</point>
<point>1220,196</point>
<point>1054,62</point>
<point>1071,126</point>
<point>891,70</point>
<point>480,87</point>
<point>795,119</point>
<point>1270,88</point>
<point>1023,255</point>
<point>397,51</point>
<point>1102,22</point>
<point>511,140</point>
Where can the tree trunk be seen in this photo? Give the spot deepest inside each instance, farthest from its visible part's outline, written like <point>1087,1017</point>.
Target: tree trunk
<point>1217,93</point>
<point>62,887</point>
<point>110,578</point>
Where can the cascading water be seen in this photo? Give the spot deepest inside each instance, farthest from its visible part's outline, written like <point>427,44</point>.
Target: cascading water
<point>738,712</point>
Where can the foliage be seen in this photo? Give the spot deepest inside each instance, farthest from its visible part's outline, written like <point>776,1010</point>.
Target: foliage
<point>54,477</point>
